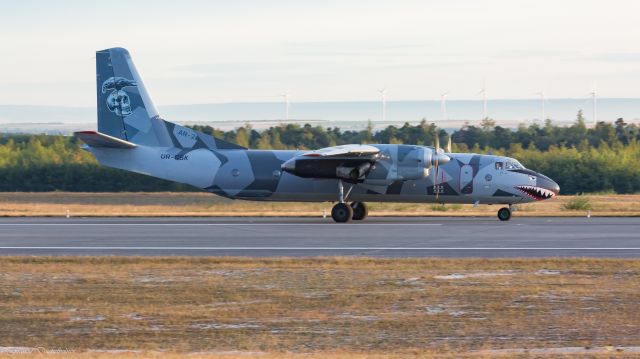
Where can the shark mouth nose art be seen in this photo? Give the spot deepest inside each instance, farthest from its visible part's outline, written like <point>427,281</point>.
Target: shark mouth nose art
<point>537,193</point>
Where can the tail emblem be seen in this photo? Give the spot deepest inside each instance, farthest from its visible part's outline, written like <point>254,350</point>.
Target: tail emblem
<point>118,101</point>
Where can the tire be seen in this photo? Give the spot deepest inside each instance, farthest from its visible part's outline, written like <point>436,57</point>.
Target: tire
<point>342,213</point>
<point>504,214</point>
<point>360,211</point>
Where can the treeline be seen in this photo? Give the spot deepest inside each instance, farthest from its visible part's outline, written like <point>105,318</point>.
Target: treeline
<point>605,157</point>
<point>478,138</point>
<point>38,163</point>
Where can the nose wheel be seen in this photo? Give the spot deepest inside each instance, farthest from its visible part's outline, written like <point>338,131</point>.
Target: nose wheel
<point>504,213</point>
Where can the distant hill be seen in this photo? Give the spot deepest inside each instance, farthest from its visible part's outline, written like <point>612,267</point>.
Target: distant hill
<point>346,115</point>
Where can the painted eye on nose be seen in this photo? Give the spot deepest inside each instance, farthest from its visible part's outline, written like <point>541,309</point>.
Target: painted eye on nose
<point>532,178</point>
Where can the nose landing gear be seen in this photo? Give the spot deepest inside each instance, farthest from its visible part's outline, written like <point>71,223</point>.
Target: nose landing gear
<point>504,213</point>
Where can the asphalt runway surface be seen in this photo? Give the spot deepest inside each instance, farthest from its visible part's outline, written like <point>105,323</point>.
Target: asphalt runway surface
<point>383,237</point>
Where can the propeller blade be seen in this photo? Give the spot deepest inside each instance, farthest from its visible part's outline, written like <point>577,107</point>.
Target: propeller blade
<point>436,144</point>
<point>449,145</point>
<point>436,165</point>
<point>435,182</point>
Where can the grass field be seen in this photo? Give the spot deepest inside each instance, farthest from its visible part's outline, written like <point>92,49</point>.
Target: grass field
<point>205,204</point>
<point>320,308</point>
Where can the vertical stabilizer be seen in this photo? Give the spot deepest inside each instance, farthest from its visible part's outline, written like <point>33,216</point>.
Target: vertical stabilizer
<point>125,110</point>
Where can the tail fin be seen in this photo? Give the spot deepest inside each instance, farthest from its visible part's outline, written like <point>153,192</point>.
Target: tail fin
<point>126,112</point>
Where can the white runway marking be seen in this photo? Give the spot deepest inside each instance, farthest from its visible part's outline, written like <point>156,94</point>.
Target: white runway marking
<point>336,248</point>
<point>214,224</point>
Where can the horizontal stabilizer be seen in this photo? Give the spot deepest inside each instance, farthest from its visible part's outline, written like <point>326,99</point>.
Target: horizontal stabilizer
<point>97,139</point>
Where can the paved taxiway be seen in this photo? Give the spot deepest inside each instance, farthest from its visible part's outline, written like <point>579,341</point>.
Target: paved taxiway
<point>389,237</point>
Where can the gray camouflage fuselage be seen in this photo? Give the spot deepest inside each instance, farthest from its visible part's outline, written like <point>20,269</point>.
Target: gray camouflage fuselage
<point>152,146</point>
<point>257,175</point>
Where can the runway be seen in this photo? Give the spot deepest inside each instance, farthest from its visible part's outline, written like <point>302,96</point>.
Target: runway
<point>378,237</point>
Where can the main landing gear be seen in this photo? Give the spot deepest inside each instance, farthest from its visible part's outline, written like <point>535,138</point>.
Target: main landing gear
<point>504,213</point>
<point>360,211</point>
<point>343,212</point>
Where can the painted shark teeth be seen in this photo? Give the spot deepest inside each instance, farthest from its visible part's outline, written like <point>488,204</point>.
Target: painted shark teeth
<point>537,193</point>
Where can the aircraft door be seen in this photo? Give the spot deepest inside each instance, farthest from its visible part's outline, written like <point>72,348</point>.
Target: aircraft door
<point>466,179</point>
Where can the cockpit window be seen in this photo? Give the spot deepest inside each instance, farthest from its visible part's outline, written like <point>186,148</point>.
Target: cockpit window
<point>499,165</point>
<point>513,165</point>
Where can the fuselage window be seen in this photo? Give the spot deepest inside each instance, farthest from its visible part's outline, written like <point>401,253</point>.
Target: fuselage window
<point>499,165</point>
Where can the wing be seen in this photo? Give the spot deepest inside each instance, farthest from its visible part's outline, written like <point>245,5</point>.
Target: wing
<point>348,162</point>
<point>344,151</point>
<point>355,163</point>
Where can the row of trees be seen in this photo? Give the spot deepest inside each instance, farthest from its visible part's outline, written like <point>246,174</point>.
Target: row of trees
<point>603,158</point>
<point>485,136</point>
<point>57,163</point>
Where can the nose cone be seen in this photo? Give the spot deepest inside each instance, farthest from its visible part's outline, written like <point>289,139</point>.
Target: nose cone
<point>548,184</point>
<point>544,188</point>
<point>440,158</point>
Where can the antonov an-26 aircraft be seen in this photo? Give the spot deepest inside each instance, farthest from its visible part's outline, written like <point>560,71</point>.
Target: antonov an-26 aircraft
<point>132,136</point>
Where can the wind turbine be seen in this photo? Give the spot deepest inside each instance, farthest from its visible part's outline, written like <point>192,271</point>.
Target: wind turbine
<point>542,100</point>
<point>383,97</point>
<point>286,106</point>
<point>443,105</point>
<point>484,99</point>
<point>594,104</point>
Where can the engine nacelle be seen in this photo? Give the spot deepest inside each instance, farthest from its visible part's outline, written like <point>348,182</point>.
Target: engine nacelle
<point>406,162</point>
<point>412,163</point>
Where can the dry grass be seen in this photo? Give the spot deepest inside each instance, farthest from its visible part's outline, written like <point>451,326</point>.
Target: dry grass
<point>205,204</point>
<point>331,307</point>
<point>417,354</point>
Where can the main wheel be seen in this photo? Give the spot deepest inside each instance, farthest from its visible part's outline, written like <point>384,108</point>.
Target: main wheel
<point>360,211</point>
<point>504,214</point>
<point>342,213</point>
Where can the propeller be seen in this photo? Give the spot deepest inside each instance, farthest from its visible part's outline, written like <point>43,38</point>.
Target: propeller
<point>439,157</point>
<point>437,165</point>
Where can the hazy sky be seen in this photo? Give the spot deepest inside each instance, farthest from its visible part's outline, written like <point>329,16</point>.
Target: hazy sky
<point>234,51</point>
